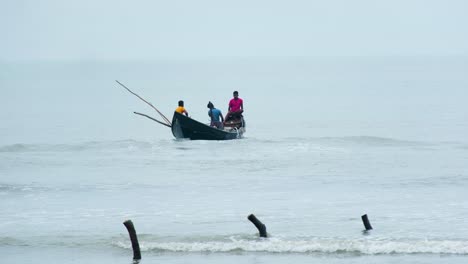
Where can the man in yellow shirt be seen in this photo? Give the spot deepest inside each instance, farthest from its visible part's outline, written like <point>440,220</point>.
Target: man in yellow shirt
<point>181,108</point>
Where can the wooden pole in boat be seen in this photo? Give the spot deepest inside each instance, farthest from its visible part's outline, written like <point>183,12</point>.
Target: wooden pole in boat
<point>259,225</point>
<point>366,222</point>
<point>154,119</point>
<point>164,117</point>
<point>133,237</point>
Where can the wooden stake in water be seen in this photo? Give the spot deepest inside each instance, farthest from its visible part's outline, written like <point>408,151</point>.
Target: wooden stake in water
<point>366,222</point>
<point>259,225</point>
<point>133,237</point>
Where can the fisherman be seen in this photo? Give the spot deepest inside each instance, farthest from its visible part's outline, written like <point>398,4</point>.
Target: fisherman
<point>181,108</point>
<point>236,107</point>
<point>215,115</point>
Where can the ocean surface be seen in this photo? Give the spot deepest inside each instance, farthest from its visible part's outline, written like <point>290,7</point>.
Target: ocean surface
<point>328,140</point>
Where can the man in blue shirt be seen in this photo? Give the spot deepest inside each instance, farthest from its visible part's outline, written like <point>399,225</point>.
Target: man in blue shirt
<point>215,115</point>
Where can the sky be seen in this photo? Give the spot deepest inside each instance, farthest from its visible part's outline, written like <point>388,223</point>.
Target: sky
<point>118,29</point>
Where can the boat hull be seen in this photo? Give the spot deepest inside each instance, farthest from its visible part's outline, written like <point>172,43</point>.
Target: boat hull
<point>186,127</point>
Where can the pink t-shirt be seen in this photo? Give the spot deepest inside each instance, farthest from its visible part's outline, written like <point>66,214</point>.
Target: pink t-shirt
<point>235,105</point>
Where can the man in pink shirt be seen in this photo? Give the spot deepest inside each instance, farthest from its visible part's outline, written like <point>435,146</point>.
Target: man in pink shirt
<point>236,107</point>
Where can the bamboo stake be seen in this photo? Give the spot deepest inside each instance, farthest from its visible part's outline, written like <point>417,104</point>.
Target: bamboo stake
<point>365,221</point>
<point>258,224</point>
<point>134,239</point>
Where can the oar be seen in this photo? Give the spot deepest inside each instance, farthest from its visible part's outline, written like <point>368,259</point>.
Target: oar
<point>165,118</point>
<point>154,119</point>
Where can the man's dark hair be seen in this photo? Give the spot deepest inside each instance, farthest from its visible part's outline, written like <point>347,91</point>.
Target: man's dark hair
<point>210,105</point>
<point>181,103</point>
<point>236,92</point>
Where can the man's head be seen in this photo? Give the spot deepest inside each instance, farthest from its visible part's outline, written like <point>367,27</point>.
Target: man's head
<point>235,94</point>
<point>181,103</point>
<point>210,105</point>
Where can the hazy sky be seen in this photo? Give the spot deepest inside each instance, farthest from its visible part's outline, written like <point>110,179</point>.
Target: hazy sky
<point>118,29</point>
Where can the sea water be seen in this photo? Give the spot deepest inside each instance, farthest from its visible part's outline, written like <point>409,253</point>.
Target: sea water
<point>328,140</point>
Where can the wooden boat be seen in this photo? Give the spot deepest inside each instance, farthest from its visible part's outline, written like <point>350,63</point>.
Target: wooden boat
<point>186,127</point>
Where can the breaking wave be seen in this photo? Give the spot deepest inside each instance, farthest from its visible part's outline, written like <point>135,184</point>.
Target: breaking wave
<point>247,244</point>
<point>327,246</point>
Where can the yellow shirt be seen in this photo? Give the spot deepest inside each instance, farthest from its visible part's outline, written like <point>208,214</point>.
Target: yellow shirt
<point>180,109</point>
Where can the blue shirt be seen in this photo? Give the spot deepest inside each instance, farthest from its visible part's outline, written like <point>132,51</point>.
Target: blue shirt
<point>215,114</point>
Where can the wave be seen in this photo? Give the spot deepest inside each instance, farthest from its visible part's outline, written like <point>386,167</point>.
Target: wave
<point>463,147</point>
<point>308,246</point>
<point>248,244</point>
<point>10,241</point>
<point>85,146</point>
<point>354,141</point>
<point>369,141</point>
<point>32,188</point>
<point>14,188</point>
<point>130,144</point>
<point>59,240</point>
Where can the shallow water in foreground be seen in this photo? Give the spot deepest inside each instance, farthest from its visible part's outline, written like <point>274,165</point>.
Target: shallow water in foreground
<point>310,193</point>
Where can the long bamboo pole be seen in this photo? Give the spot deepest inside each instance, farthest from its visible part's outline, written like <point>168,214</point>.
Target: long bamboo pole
<point>164,117</point>
<point>154,119</point>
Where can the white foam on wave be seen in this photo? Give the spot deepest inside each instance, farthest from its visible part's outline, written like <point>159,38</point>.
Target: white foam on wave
<point>275,245</point>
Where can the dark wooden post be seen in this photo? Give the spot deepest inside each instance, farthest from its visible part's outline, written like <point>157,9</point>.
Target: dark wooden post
<point>133,237</point>
<point>259,225</point>
<point>366,222</point>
